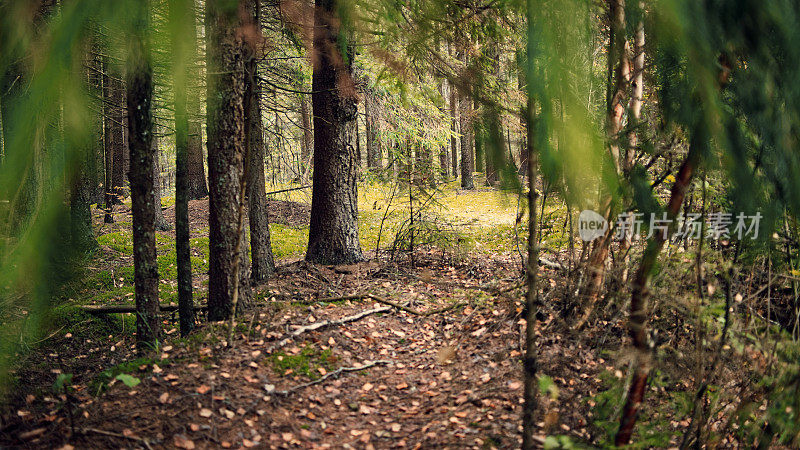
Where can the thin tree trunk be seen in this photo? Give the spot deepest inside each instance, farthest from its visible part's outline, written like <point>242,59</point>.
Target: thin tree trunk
<point>139,83</point>
<point>635,112</point>
<point>195,170</point>
<point>161,222</point>
<point>530,364</point>
<point>181,17</point>
<point>619,66</point>
<point>333,235</point>
<point>467,154</point>
<point>116,121</point>
<point>308,137</point>
<point>640,295</point>
<point>453,130</point>
<point>260,244</point>
<point>112,134</point>
<point>226,148</point>
<point>373,146</point>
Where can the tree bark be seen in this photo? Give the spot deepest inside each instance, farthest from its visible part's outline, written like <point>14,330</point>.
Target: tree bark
<point>116,131</point>
<point>619,66</point>
<point>181,18</point>
<point>467,151</point>
<point>333,235</point>
<point>226,148</point>
<point>307,147</point>
<point>263,263</point>
<point>373,144</point>
<point>640,295</point>
<point>161,222</point>
<point>195,170</point>
<point>530,364</point>
<point>453,130</point>
<point>139,83</point>
<point>112,133</point>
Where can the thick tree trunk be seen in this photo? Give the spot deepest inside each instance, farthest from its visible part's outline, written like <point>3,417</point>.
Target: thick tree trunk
<point>226,148</point>
<point>307,148</point>
<point>333,236</point>
<point>139,83</point>
<point>181,17</point>
<point>260,243</point>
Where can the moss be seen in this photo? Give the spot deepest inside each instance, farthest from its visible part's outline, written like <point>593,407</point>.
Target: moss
<point>119,241</point>
<point>307,362</point>
<point>288,241</point>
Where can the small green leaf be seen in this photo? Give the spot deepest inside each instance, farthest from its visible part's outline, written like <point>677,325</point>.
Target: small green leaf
<point>64,379</point>
<point>128,380</point>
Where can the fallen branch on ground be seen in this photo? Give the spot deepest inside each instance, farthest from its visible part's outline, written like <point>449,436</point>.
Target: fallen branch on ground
<point>333,374</point>
<point>395,305</point>
<point>325,324</point>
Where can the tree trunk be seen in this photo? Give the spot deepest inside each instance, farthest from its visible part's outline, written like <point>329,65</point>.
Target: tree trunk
<point>181,17</point>
<point>373,145</point>
<point>112,133</point>
<point>640,295</point>
<point>139,83</point>
<point>307,147</point>
<point>226,148</point>
<point>530,364</point>
<point>453,130</point>
<point>467,153</point>
<point>523,145</point>
<point>116,135</point>
<point>333,235</point>
<point>161,222</point>
<point>260,244</point>
<point>619,66</point>
<point>634,114</point>
<point>195,170</point>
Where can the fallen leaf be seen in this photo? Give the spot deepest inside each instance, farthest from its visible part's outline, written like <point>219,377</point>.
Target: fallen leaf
<point>182,441</point>
<point>202,389</point>
<point>205,412</point>
<point>163,398</point>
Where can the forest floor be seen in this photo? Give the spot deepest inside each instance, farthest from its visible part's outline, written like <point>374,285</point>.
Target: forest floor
<point>389,353</point>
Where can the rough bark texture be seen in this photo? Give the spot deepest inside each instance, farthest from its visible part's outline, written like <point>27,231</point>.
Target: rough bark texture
<point>181,17</point>
<point>226,136</point>
<point>139,83</point>
<point>263,263</point>
<point>120,139</point>
<point>333,236</point>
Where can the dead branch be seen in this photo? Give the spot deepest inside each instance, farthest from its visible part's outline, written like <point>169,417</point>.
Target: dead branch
<point>395,305</point>
<point>333,374</point>
<point>325,324</point>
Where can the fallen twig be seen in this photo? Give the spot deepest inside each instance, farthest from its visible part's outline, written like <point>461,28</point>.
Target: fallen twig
<point>333,374</point>
<point>392,304</point>
<point>325,324</point>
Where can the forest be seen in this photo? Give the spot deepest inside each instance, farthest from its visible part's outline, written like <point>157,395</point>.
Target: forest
<point>559,224</point>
